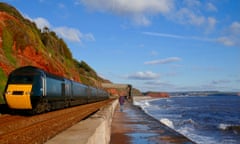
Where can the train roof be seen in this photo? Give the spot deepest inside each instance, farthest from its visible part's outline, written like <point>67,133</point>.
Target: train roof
<point>35,69</point>
<point>27,68</point>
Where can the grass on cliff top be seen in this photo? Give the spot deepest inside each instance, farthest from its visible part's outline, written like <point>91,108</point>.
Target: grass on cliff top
<point>11,10</point>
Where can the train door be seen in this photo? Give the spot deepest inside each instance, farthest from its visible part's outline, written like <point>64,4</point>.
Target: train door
<point>43,79</point>
<point>66,92</point>
<point>89,94</point>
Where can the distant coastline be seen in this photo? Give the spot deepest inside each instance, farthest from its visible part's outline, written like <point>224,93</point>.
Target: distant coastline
<point>156,94</point>
<point>203,93</point>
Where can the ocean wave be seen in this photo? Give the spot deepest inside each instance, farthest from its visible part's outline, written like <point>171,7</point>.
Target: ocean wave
<point>167,122</point>
<point>229,127</point>
<point>169,100</point>
<point>192,134</point>
<point>146,105</point>
<point>142,103</point>
<point>188,122</point>
<point>223,126</point>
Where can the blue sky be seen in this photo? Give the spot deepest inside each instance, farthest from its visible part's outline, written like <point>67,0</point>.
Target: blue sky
<point>158,45</point>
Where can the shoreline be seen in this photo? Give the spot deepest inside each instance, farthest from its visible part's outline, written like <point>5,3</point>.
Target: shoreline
<point>139,99</point>
<point>133,125</point>
<point>191,125</point>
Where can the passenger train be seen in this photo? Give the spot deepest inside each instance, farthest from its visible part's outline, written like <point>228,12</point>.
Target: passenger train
<point>36,91</point>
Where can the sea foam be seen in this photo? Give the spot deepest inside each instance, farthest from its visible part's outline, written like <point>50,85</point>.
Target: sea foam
<point>167,122</point>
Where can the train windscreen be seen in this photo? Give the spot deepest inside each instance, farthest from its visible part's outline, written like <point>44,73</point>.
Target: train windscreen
<point>22,78</point>
<point>28,78</point>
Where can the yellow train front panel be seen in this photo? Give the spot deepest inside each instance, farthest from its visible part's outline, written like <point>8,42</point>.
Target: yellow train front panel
<point>18,96</point>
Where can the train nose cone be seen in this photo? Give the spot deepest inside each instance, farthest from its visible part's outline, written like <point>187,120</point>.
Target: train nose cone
<point>18,96</point>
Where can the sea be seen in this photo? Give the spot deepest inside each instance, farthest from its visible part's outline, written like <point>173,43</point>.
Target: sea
<point>203,119</point>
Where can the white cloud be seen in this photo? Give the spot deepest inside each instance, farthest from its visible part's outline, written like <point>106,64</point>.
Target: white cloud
<point>148,75</point>
<point>137,10</point>
<point>232,35</point>
<point>231,38</point>
<point>187,16</point>
<point>191,12</point>
<point>141,20</point>
<point>67,33</point>
<point>164,35</point>
<point>211,7</point>
<point>140,11</point>
<point>211,23</point>
<point>227,41</point>
<point>123,7</point>
<point>192,3</point>
<point>235,28</point>
<point>72,34</point>
<point>89,37</point>
<point>177,36</point>
<point>40,22</point>
<point>163,61</point>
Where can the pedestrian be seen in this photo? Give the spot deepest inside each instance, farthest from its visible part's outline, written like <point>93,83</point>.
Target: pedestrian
<point>121,102</point>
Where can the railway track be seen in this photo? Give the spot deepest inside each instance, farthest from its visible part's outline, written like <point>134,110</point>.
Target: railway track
<point>40,128</point>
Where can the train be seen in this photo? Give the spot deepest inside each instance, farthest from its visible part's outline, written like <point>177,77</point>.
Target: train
<point>33,90</point>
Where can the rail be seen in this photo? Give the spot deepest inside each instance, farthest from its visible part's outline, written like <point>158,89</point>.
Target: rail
<point>40,128</point>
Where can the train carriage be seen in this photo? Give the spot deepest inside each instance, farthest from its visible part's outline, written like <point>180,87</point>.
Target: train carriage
<point>80,94</point>
<point>30,88</point>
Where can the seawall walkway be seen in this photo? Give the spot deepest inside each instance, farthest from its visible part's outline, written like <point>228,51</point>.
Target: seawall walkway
<point>133,126</point>
<point>109,125</point>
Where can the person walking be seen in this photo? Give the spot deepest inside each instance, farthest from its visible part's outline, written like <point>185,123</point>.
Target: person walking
<point>121,102</point>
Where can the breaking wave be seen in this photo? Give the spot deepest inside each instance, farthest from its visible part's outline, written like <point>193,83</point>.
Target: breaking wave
<point>167,122</point>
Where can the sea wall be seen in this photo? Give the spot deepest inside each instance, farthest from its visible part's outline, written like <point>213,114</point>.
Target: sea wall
<point>96,128</point>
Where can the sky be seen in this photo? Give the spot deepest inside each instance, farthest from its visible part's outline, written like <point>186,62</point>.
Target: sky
<point>154,45</point>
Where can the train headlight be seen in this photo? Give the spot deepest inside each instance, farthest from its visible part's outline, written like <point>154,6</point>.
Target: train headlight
<point>8,92</point>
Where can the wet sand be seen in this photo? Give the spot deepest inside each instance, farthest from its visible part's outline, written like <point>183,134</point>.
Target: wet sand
<point>133,126</point>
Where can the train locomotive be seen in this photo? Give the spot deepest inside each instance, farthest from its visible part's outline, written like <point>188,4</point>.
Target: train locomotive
<point>35,91</point>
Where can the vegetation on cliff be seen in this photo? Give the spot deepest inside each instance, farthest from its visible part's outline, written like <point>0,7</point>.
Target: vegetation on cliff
<point>22,43</point>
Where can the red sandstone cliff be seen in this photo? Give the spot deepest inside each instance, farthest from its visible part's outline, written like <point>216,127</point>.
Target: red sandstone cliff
<point>158,94</point>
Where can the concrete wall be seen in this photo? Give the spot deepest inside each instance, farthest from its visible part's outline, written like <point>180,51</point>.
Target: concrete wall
<point>95,129</point>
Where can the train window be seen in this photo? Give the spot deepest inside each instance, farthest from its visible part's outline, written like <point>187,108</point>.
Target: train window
<point>54,87</point>
<point>28,78</point>
<point>37,89</point>
<point>22,79</point>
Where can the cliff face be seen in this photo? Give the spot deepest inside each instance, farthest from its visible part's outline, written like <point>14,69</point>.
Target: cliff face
<point>22,44</point>
<point>158,94</point>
